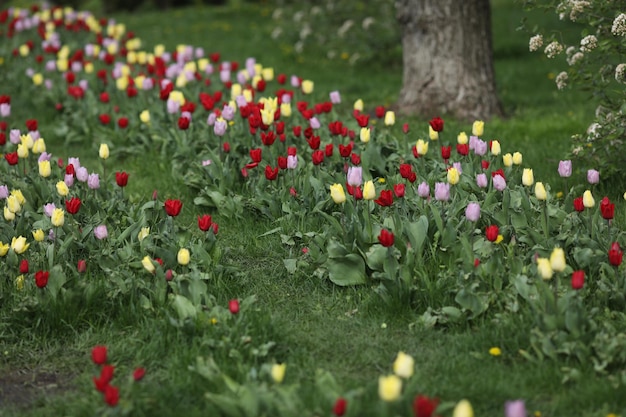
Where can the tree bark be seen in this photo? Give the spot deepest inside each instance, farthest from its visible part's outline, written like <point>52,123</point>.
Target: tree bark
<point>448,59</point>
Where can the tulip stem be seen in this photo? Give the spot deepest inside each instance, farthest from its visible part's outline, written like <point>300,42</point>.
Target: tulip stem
<point>545,219</point>
<point>369,221</point>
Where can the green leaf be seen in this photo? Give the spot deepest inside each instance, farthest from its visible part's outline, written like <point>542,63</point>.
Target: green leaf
<point>56,280</point>
<point>417,232</point>
<point>471,302</point>
<point>184,307</point>
<point>375,257</point>
<point>347,270</point>
<point>290,265</point>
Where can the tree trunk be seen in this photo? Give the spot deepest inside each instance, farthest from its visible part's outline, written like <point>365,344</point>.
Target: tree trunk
<point>448,63</point>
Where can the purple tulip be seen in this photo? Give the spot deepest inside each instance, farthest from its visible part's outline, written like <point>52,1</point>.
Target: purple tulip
<point>355,176</point>
<point>515,408</point>
<point>4,191</point>
<point>458,167</point>
<point>15,136</point>
<point>565,168</point>
<point>212,118</point>
<point>93,181</point>
<point>292,161</point>
<point>472,212</point>
<point>481,180</point>
<point>593,176</point>
<point>314,123</point>
<point>45,156</point>
<point>480,147</point>
<point>423,190</point>
<point>228,112</point>
<point>75,162</point>
<point>442,191</point>
<point>335,97</point>
<point>82,174</point>
<point>499,183</point>
<point>68,180</point>
<point>220,127</point>
<point>172,106</point>
<point>100,232</point>
<point>48,209</point>
<point>5,109</point>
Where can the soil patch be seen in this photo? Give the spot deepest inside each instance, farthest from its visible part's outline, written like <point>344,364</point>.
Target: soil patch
<point>21,388</point>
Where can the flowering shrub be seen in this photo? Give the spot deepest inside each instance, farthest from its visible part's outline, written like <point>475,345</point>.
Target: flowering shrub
<point>593,64</point>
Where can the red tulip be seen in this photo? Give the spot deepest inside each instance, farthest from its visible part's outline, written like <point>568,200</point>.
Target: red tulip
<point>271,173</point>
<point>256,154</point>
<point>69,169</point>
<point>499,172</point>
<point>345,150</point>
<point>81,266</point>
<point>399,190</point>
<point>111,395</point>
<point>204,222</point>
<point>355,158</point>
<point>105,119</point>
<point>445,152</point>
<point>484,164</point>
<point>138,374</point>
<point>328,150</point>
<point>121,178</point>
<point>72,205</point>
<point>385,199</point>
<point>437,124</point>
<point>282,162</point>
<point>123,122</point>
<point>226,147</point>
<point>615,254</point>
<point>380,111</point>
<point>462,149</point>
<point>104,97</point>
<point>386,238</point>
<point>11,158</point>
<point>406,170</point>
<point>578,204</point>
<point>339,409</point>
<point>173,207</point>
<point>99,354</point>
<point>607,208</point>
<point>317,157</point>
<point>424,406</point>
<point>31,125</point>
<point>24,266</point>
<point>41,278</point>
<point>183,123</point>
<point>233,306</point>
<point>492,233</point>
<point>578,279</point>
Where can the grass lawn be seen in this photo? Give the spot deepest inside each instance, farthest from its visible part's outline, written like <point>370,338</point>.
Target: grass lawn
<point>314,325</point>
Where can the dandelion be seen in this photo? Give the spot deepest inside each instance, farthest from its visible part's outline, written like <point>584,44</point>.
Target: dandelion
<point>495,351</point>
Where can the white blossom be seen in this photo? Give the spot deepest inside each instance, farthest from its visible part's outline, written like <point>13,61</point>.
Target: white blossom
<point>620,73</point>
<point>561,80</point>
<point>535,43</point>
<point>619,25</point>
<point>553,49</point>
<point>588,43</point>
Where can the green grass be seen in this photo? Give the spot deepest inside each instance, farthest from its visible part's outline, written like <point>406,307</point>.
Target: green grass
<point>315,324</point>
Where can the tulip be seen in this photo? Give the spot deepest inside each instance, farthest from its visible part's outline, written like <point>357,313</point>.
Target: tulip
<point>22,150</point>
<point>565,168</point>
<point>544,268</point>
<point>436,124</point>
<point>81,266</point>
<point>462,139</point>
<point>233,306</point>
<point>355,176</point>
<point>389,387</point>
<point>390,118</point>
<point>93,181</point>
<point>495,148</point>
<point>358,105</point>
<point>386,238</point>
<point>607,208</point>
<point>423,190</point>
<point>38,235</point>
<point>104,151</point>
<point>19,245</point>
<point>579,205</point>
<point>339,409</point>
<point>527,177</point>
<point>148,264</point>
<point>517,158</point>
<point>588,200</point>
<point>421,147</point>
<point>404,365</point>
<point>540,192</point>
<point>481,180</point>
<point>369,191</point>
<point>499,183</point>
<point>292,162</point>
<point>515,408</point>
<point>478,128</point>
<point>365,134</point>
<point>491,233</point>
<point>143,233</point>
<point>557,260</point>
<point>101,232</point>
<point>578,279</point>
<point>13,204</point>
<point>593,176</point>
<point>62,188</point>
<point>8,214</point>
<point>144,116</point>
<point>44,169</point>
<point>183,256</point>
<point>4,248</point>
<point>507,160</point>
<point>58,217</point>
<point>472,212</point>
<point>615,254</point>
<point>442,191</point>
<point>278,372</point>
<point>432,134</point>
<point>337,193</point>
<point>453,176</point>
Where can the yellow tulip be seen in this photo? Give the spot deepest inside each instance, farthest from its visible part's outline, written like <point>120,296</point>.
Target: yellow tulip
<point>557,260</point>
<point>432,134</point>
<point>4,248</point>
<point>22,150</point>
<point>19,282</point>
<point>39,146</point>
<point>103,152</point>
<point>390,118</point>
<point>267,74</point>
<point>540,192</point>
<point>307,86</point>
<point>462,138</point>
<point>38,235</point>
<point>337,193</point>
<point>8,214</point>
<point>463,409</point>
<point>147,264</point>
<point>13,204</point>
<point>19,245</point>
<point>453,176</point>
<point>27,140</point>
<point>24,50</point>
<point>285,110</point>
<point>183,256</point>
<point>358,105</point>
<point>404,365</point>
<point>517,158</point>
<point>507,159</point>
<point>278,372</point>
<point>544,268</point>
<point>44,168</point>
<point>37,79</point>
<point>478,128</point>
<point>143,233</point>
<point>20,197</point>
<point>365,134</point>
<point>495,148</point>
<point>235,91</point>
<point>588,200</point>
<point>58,217</point>
<point>121,83</point>
<point>421,147</point>
<point>369,191</point>
<point>62,189</point>
<point>389,387</point>
<point>267,115</point>
<point>144,116</point>
<point>527,177</point>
